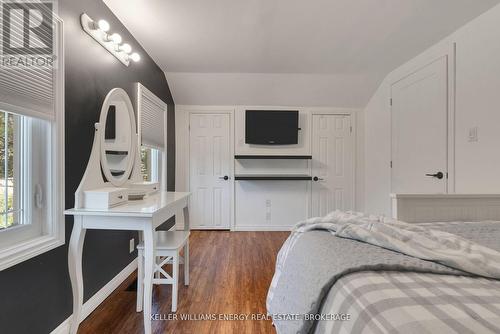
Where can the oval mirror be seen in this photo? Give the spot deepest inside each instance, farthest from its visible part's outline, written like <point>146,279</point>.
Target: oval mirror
<point>118,136</point>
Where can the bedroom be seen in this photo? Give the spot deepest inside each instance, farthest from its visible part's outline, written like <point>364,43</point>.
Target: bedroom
<point>156,156</point>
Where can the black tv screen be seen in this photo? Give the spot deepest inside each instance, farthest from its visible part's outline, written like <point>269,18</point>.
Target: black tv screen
<point>271,127</point>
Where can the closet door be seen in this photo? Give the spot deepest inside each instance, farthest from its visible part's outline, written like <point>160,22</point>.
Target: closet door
<point>209,164</point>
<point>332,164</point>
<point>419,130</point>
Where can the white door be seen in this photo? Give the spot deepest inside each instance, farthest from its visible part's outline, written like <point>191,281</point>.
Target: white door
<point>332,164</point>
<point>209,164</point>
<point>419,130</point>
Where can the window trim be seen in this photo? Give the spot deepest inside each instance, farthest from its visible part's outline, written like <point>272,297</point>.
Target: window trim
<point>155,165</point>
<point>53,230</point>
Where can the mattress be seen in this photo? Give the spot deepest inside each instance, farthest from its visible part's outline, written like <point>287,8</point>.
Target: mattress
<point>406,302</point>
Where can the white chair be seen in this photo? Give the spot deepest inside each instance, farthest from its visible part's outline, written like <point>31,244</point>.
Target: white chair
<point>168,246</point>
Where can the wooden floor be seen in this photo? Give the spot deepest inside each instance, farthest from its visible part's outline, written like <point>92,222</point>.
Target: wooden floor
<point>230,274</point>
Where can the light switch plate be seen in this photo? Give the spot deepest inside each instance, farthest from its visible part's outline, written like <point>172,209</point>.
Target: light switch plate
<point>131,245</point>
<point>473,137</point>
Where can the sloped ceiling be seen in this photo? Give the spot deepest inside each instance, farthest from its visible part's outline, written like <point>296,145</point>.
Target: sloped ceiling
<point>287,52</point>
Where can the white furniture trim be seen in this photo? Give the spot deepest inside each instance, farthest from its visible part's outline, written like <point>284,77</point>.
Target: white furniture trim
<point>413,208</point>
<point>54,229</point>
<point>90,305</point>
<point>143,216</point>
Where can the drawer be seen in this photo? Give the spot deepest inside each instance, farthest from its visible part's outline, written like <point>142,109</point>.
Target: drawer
<point>105,198</point>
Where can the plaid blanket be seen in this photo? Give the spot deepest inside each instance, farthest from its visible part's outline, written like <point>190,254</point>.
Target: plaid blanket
<point>415,240</point>
<point>391,302</point>
<point>311,267</point>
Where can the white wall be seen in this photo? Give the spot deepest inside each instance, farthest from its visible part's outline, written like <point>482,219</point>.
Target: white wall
<point>268,205</point>
<point>273,89</point>
<point>473,165</point>
<point>477,164</point>
<point>378,153</point>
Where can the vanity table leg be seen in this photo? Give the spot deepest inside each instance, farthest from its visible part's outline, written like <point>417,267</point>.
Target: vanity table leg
<point>185,212</point>
<point>75,270</point>
<point>186,263</point>
<point>149,265</point>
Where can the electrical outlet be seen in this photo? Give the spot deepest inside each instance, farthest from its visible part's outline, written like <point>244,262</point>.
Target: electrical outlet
<point>131,246</point>
<point>268,209</point>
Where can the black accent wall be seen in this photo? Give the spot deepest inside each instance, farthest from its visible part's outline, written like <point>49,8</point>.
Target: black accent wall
<point>35,296</point>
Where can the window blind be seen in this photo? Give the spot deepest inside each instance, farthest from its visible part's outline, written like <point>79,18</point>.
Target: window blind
<point>29,60</point>
<point>151,111</point>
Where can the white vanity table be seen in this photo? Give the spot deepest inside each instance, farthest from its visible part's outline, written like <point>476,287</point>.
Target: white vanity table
<point>144,216</point>
<point>107,204</point>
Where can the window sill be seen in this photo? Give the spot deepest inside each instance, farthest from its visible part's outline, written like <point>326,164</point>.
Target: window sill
<point>28,249</point>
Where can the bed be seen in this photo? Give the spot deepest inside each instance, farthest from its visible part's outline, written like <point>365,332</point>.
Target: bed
<point>328,284</point>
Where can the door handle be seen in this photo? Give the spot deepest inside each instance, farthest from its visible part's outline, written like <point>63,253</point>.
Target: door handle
<point>225,177</point>
<point>316,179</point>
<point>438,175</point>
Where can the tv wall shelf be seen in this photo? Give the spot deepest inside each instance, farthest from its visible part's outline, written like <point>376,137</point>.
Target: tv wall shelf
<point>273,177</point>
<point>304,157</point>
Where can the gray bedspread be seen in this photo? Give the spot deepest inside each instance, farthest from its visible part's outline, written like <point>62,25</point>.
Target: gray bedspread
<point>318,259</point>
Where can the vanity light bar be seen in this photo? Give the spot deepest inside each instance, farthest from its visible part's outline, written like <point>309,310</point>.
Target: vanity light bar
<point>110,41</point>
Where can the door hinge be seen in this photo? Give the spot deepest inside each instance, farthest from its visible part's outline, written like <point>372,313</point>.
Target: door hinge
<point>350,128</point>
<point>391,163</point>
<point>390,101</point>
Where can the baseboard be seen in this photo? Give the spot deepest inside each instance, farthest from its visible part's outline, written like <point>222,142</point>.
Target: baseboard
<point>262,228</point>
<point>90,305</point>
<point>208,228</point>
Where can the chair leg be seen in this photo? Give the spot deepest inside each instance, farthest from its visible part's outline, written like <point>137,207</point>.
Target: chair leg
<point>175,284</point>
<point>186,263</point>
<point>140,280</point>
<point>157,273</point>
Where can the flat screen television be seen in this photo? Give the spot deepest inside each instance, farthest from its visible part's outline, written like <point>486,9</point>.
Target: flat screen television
<point>272,127</point>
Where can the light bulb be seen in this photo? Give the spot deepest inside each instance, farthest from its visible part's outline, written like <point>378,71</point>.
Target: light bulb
<point>116,38</point>
<point>103,25</point>
<point>126,48</point>
<point>135,57</point>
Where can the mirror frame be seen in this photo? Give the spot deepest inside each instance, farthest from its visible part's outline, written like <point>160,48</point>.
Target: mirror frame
<point>114,94</point>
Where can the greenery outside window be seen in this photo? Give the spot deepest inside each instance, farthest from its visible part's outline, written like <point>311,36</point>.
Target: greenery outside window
<point>150,164</point>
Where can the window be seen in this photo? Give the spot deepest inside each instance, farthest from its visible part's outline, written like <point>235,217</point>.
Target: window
<point>31,192</point>
<point>150,164</point>
<point>152,124</point>
<point>31,146</point>
<point>24,178</point>
<point>9,180</point>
